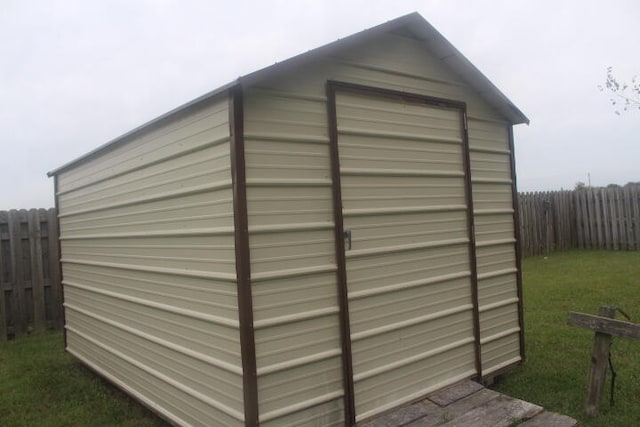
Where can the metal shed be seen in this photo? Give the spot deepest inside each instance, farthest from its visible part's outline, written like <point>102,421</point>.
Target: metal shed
<point>312,244</point>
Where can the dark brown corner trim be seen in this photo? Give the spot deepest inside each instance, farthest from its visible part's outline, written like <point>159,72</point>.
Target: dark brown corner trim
<point>473,259</point>
<point>61,277</point>
<point>243,265</point>
<point>343,299</point>
<point>518,247</point>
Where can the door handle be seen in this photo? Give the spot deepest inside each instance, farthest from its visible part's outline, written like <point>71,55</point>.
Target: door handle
<point>347,236</point>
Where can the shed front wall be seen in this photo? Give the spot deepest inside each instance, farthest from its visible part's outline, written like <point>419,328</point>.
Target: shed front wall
<point>293,259</point>
<point>148,263</point>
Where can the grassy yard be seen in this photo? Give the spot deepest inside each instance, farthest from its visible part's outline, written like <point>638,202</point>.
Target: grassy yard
<point>41,385</point>
<point>558,356</point>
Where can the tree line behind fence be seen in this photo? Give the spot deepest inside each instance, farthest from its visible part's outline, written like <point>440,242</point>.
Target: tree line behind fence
<point>30,293</point>
<point>588,218</point>
<point>30,289</point>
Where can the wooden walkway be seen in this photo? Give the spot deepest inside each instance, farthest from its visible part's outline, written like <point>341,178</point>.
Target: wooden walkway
<point>468,404</point>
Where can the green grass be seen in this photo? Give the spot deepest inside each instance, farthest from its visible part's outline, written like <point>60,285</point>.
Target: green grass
<point>558,355</point>
<point>41,385</point>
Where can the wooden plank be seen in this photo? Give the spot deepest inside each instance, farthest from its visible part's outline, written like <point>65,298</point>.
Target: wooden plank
<point>455,392</point>
<point>3,304</point>
<point>37,277</point>
<point>550,419</point>
<point>55,287</point>
<point>598,371</point>
<point>579,227</point>
<point>635,201</point>
<point>17,273</point>
<point>614,219</point>
<point>500,412</point>
<point>437,415</point>
<point>628,218</point>
<point>621,218</point>
<point>606,220</point>
<point>405,415</point>
<point>604,324</point>
<point>599,226</point>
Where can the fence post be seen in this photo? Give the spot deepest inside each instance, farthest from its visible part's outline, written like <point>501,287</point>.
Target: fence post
<point>37,279</point>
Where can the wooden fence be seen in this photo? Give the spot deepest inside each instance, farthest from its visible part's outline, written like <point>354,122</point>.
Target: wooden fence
<point>592,218</point>
<point>30,290</point>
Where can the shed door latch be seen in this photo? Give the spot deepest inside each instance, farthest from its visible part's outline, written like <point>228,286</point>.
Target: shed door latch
<point>347,236</point>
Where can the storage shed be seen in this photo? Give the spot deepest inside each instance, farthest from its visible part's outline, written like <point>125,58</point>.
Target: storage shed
<point>312,244</point>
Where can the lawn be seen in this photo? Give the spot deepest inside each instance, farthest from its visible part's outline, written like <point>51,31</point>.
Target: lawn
<point>41,385</point>
<point>558,356</point>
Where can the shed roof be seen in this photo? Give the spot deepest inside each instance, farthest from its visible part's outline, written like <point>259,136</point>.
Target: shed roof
<point>413,25</point>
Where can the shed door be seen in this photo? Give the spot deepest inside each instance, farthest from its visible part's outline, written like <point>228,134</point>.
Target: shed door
<point>407,246</point>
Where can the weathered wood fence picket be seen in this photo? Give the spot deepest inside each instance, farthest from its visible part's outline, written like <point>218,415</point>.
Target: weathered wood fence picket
<point>592,218</point>
<point>30,292</point>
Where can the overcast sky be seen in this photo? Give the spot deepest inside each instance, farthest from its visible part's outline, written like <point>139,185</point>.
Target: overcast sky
<point>75,74</point>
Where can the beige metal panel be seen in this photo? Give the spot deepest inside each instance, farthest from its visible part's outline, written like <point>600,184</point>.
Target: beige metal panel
<point>293,269</point>
<point>191,169</point>
<point>195,294</point>
<point>491,227</point>
<point>167,398</point>
<point>495,240</point>
<point>501,353</point>
<point>495,257</point>
<point>387,61</point>
<point>497,287</point>
<point>202,128</point>
<point>202,210</point>
<point>147,247</point>
<point>203,253</point>
<point>414,380</point>
<point>328,414</point>
<point>283,206</point>
<point>487,135</point>
<point>408,268</point>
<point>298,391</point>
<point>205,336</point>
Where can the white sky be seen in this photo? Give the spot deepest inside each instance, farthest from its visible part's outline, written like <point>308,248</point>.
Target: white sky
<point>75,74</point>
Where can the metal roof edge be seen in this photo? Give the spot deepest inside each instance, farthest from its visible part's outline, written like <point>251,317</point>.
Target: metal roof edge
<point>146,126</point>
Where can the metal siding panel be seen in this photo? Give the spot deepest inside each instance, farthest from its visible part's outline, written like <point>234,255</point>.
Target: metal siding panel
<point>291,241</point>
<point>495,239</point>
<point>407,283</point>
<point>173,402</point>
<point>204,127</point>
<point>149,269</point>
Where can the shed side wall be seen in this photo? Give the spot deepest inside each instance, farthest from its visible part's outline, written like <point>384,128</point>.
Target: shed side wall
<point>149,268</point>
<point>289,201</point>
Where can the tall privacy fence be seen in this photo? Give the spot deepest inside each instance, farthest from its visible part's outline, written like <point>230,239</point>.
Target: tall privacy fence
<point>591,218</point>
<point>30,294</point>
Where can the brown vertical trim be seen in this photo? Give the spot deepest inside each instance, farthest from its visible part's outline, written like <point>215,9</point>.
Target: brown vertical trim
<point>60,271</point>
<point>243,264</point>
<point>518,246</point>
<point>473,261</point>
<point>343,299</point>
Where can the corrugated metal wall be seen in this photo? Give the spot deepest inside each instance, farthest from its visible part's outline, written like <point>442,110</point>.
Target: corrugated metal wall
<point>495,242</point>
<point>149,267</point>
<point>149,261</point>
<point>408,268</point>
<point>293,268</point>
<point>289,190</point>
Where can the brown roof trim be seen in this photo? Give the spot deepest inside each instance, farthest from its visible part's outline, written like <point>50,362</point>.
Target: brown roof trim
<point>243,263</point>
